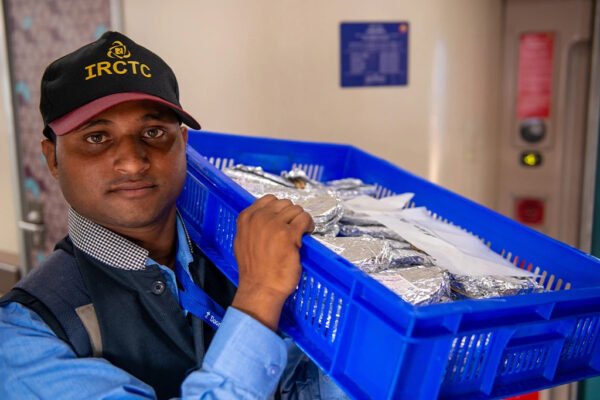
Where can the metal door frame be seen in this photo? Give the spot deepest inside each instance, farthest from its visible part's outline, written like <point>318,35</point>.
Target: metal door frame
<point>593,125</point>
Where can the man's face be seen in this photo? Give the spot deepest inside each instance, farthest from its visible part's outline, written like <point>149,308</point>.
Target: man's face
<point>124,168</point>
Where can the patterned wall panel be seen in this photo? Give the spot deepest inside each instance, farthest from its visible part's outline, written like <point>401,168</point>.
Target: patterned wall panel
<point>38,32</point>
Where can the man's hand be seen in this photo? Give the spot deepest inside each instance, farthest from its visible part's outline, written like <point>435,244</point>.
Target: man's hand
<point>267,243</point>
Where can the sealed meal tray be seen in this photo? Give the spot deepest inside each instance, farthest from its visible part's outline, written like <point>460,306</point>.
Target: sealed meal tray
<point>366,337</point>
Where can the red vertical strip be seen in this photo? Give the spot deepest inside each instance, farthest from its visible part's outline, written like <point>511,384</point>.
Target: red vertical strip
<point>534,94</point>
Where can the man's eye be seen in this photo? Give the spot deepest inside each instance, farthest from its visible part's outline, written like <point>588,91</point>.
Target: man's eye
<point>96,138</point>
<point>154,133</point>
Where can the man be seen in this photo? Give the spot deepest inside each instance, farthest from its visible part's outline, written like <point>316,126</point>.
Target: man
<point>101,318</point>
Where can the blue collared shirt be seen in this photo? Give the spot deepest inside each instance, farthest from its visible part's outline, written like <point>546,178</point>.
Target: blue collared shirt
<point>244,361</point>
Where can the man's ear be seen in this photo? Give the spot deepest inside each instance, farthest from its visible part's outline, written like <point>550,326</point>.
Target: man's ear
<point>49,150</point>
<point>184,133</point>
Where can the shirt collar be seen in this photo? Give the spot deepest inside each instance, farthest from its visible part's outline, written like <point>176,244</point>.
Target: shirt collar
<point>115,250</point>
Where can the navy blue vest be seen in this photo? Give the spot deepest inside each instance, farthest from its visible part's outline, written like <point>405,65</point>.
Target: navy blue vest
<point>142,328</point>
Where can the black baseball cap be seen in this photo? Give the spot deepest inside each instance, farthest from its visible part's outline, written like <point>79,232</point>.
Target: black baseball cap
<point>112,70</point>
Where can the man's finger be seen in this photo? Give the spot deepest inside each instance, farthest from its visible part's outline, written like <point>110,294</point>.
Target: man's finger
<point>288,214</point>
<point>279,205</point>
<point>250,211</point>
<point>301,224</point>
<point>263,201</point>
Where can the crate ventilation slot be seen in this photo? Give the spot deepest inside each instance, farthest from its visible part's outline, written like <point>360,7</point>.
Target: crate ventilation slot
<point>313,171</point>
<point>381,192</point>
<point>581,343</point>
<point>225,230</point>
<point>467,357</point>
<point>549,282</point>
<point>515,362</point>
<point>221,163</point>
<point>194,199</point>
<point>318,305</point>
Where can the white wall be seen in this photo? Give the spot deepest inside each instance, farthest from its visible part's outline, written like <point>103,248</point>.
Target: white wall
<point>271,67</point>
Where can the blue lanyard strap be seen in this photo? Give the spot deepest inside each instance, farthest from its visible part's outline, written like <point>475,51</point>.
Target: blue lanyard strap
<point>195,300</point>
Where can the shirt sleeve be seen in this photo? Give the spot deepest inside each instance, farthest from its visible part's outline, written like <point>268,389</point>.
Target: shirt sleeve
<point>244,361</point>
<point>37,364</point>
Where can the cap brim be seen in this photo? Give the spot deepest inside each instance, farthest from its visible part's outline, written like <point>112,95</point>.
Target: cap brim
<point>79,116</point>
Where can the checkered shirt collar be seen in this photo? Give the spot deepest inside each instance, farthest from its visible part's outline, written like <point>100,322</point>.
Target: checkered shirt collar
<point>106,245</point>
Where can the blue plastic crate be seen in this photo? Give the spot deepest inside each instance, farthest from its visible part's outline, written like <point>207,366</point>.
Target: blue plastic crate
<point>369,340</point>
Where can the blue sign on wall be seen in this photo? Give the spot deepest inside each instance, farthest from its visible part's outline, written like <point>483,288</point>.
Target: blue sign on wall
<point>374,54</point>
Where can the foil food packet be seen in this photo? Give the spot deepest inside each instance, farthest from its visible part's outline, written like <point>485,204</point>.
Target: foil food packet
<point>343,189</point>
<point>484,287</point>
<point>368,254</point>
<point>417,285</point>
<point>376,231</point>
<point>325,209</point>
<point>354,218</point>
<point>349,188</point>
<point>373,255</point>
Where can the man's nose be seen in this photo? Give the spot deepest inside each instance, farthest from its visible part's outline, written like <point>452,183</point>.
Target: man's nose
<point>131,156</point>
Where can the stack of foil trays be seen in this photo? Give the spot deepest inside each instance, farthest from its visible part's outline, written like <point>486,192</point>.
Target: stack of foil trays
<point>324,207</point>
<point>374,248</point>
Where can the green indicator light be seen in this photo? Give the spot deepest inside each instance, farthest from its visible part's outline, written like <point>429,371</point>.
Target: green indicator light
<point>531,159</point>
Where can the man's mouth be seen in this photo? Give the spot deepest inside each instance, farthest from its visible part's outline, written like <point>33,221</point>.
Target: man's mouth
<point>132,189</point>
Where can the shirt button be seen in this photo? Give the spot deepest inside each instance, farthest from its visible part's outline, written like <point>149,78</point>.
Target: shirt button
<point>273,370</point>
<point>158,287</point>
